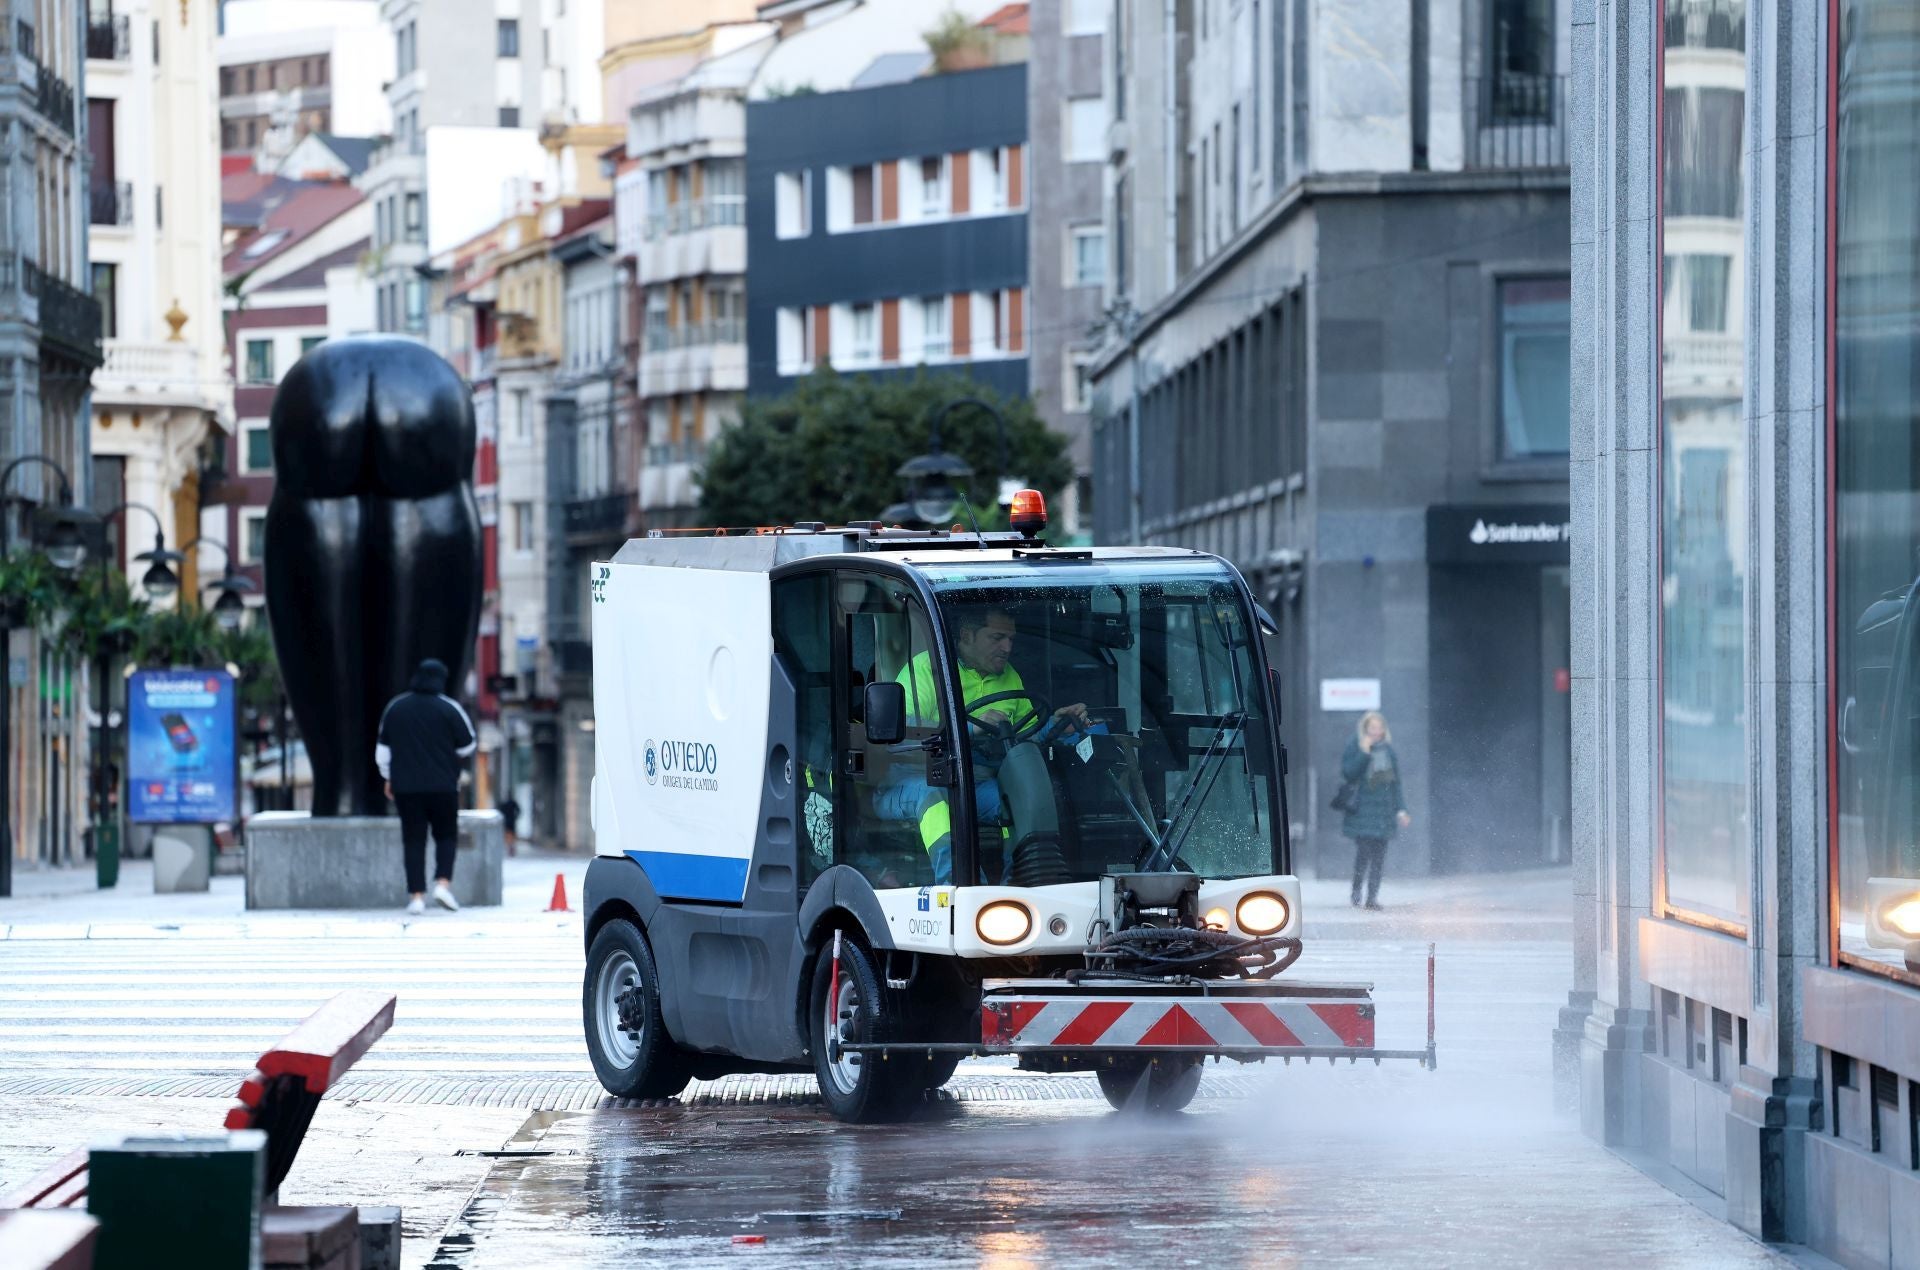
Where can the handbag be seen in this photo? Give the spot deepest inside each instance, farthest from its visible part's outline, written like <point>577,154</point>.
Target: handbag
<point>1347,799</point>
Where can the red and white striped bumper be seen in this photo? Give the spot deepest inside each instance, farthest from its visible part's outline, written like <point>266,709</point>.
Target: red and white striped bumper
<point>1248,1022</point>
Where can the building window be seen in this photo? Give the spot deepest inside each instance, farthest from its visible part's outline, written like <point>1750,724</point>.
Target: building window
<point>934,339</point>
<point>1086,255</point>
<point>1520,40</point>
<point>1876,487</point>
<point>416,304</point>
<point>507,38</point>
<point>1086,130</point>
<point>1077,393</point>
<point>862,195</point>
<point>1122,215</point>
<point>865,346</point>
<point>523,527</point>
<point>253,535</point>
<point>260,361</point>
<point>509,116</point>
<point>522,414</point>
<point>1086,17</point>
<point>416,218</point>
<point>310,342</point>
<point>1703,535</point>
<point>793,204</point>
<point>256,453</point>
<point>1534,361</point>
<point>933,186</point>
<point>106,288</point>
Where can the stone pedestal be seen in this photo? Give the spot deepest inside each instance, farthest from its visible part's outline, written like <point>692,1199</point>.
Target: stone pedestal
<point>182,858</point>
<point>295,860</point>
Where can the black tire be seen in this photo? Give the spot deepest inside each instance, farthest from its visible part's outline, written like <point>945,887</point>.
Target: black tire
<point>1160,1085</point>
<point>646,1064</point>
<point>861,1088</point>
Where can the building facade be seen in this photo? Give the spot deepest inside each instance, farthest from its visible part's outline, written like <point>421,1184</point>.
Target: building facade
<point>288,71</point>
<point>887,228</point>
<point>1746,1007</point>
<point>49,347</point>
<point>1336,353</point>
<point>1067,233</point>
<point>682,208</point>
<point>163,402</point>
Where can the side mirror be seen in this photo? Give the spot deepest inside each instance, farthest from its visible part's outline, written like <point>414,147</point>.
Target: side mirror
<point>1267,625</point>
<point>885,710</point>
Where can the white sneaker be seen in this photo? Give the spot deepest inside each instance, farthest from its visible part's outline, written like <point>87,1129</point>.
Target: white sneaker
<point>444,897</point>
<point>416,906</point>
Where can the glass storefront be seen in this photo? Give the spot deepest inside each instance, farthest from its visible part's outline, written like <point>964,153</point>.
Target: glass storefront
<point>1876,479</point>
<point>1705,824</point>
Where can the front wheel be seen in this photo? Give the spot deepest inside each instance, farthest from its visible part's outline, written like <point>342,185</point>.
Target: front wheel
<point>859,1088</point>
<point>632,1054</point>
<point>1160,1085</point>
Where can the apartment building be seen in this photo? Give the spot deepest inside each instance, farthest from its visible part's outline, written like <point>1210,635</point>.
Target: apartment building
<point>1336,352</point>
<point>887,225</point>
<point>49,347</point>
<point>293,68</point>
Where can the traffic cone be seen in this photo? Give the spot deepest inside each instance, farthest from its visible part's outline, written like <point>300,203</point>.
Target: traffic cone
<point>558,904</point>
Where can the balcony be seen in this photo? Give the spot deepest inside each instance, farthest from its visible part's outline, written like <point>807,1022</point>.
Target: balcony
<point>699,357</point>
<point>108,38</point>
<point>686,240</point>
<point>670,478</point>
<point>594,519</point>
<point>1514,121</point>
<point>110,203</point>
<point>69,317</point>
<point>157,374</point>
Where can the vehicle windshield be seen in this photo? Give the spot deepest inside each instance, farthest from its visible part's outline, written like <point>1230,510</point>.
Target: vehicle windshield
<point>1115,718</point>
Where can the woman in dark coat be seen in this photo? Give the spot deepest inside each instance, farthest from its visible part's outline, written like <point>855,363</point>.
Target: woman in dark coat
<point>1379,809</point>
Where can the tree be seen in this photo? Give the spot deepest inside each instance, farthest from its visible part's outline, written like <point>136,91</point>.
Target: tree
<point>828,448</point>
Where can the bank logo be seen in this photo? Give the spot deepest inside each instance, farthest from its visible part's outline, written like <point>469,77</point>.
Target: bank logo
<point>653,764</point>
<point>1544,532</point>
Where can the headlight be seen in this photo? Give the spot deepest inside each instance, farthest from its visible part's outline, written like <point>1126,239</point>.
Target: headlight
<point>1903,916</point>
<point>1004,922</point>
<point>1261,913</point>
<point>1216,919</point>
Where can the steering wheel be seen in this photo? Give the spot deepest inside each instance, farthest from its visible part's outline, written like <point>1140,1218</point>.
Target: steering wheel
<point>1042,711</point>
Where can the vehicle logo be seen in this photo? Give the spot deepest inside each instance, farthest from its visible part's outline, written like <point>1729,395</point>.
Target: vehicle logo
<point>923,901</point>
<point>653,764</point>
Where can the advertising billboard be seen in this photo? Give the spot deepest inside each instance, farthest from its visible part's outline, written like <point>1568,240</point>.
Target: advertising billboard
<point>180,747</point>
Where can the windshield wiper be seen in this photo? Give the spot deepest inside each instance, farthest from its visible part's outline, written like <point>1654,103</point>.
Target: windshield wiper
<point>1187,812</point>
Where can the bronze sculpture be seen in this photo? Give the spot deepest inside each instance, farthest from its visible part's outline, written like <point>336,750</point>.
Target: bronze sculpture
<point>373,546</point>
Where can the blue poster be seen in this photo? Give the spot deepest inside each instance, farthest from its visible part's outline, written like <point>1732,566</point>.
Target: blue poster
<point>180,747</point>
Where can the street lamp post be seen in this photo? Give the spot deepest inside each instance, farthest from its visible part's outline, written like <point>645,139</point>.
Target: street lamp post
<point>935,481</point>
<point>66,550</point>
<point>231,608</point>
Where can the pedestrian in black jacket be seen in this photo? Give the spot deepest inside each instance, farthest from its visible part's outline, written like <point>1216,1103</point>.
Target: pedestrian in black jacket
<point>424,737</point>
<point>1379,809</point>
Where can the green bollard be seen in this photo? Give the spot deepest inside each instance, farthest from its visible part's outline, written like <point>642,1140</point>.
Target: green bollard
<point>106,852</point>
<point>178,1203</point>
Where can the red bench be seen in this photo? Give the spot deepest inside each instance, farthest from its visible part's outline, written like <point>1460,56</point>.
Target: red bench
<point>280,1096</point>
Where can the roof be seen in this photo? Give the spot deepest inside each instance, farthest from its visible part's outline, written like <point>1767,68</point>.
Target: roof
<point>246,197</point>
<point>353,151</point>
<point>893,68</point>
<point>291,211</point>
<point>315,274</point>
<point>1009,19</point>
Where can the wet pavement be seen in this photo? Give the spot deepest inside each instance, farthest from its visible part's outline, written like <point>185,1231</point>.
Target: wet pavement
<point>1314,1167</point>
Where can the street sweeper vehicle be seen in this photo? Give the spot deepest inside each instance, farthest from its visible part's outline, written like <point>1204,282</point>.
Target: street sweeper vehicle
<point>867,801</point>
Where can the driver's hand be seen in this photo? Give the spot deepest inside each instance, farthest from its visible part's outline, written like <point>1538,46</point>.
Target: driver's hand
<point>992,718</point>
<point>1076,712</point>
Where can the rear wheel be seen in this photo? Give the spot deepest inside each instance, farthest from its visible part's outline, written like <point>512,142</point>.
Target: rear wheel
<point>859,1088</point>
<point>1160,1085</point>
<point>632,1054</point>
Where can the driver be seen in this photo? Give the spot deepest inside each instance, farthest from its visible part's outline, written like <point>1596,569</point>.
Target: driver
<point>983,643</point>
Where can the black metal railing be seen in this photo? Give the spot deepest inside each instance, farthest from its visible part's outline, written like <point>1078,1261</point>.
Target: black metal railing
<point>110,203</point>
<point>53,98</point>
<point>69,317</point>
<point>606,514</point>
<point>108,38</point>
<point>1516,120</point>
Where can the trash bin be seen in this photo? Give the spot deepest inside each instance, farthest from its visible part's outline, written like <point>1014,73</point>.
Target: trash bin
<point>106,853</point>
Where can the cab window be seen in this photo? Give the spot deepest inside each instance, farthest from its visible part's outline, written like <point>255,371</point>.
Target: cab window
<point>803,643</point>
<point>887,811</point>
